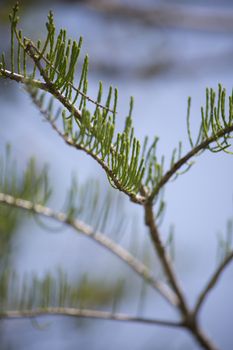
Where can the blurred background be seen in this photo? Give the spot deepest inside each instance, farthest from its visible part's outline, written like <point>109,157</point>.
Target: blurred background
<point>160,52</point>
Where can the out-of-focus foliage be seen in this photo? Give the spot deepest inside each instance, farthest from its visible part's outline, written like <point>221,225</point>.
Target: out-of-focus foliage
<point>33,185</point>
<point>30,292</point>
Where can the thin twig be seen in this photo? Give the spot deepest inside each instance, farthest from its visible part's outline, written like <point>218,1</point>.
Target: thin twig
<point>70,84</point>
<point>49,86</point>
<point>187,157</point>
<point>44,86</point>
<point>212,282</point>
<point>136,265</point>
<point>86,313</point>
<point>136,198</point>
<point>19,78</point>
<point>164,259</point>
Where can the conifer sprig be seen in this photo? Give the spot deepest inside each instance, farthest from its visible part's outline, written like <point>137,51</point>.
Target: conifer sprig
<point>59,54</point>
<point>90,125</point>
<point>94,136</point>
<point>215,133</point>
<point>56,61</point>
<point>139,174</point>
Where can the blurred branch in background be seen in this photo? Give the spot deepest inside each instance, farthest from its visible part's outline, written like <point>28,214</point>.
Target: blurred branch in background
<point>213,281</point>
<point>141,176</point>
<point>151,25</point>
<point>192,17</point>
<point>137,266</point>
<point>86,313</point>
<point>163,19</point>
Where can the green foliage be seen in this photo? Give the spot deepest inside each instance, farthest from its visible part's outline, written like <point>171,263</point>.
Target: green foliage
<point>49,73</point>
<point>215,120</point>
<point>135,170</point>
<point>30,292</point>
<point>215,134</point>
<point>83,202</point>
<point>32,186</point>
<point>225,242</point>
<point>90,125</point>
<point>94,133</point>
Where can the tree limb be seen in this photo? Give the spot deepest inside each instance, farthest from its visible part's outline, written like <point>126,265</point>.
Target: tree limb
<point>136,198</point>
<point>164,259</point>
<point>189,320</point>
<point>48,86</point>
<point>202,146</point>
<point>98,237</point>
<point>212,282</point>
<point>85,313</point>
<point>19,78</point>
